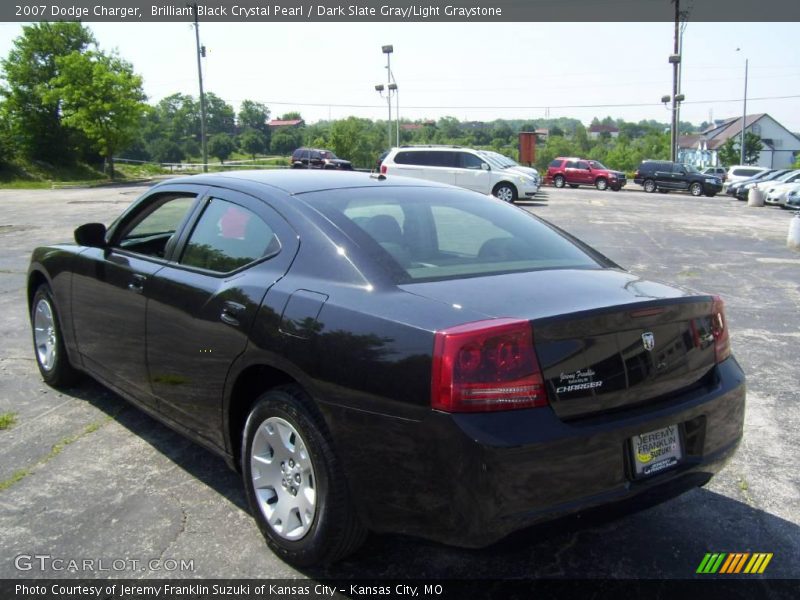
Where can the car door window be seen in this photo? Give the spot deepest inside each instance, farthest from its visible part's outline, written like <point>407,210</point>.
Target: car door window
<point>150,231</point>
<point>571,164</point>
<point>228,236</point>
<point>582,164</point>
<point>470,161</point>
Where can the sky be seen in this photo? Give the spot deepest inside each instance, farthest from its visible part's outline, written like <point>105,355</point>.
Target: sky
<point>471,71</point>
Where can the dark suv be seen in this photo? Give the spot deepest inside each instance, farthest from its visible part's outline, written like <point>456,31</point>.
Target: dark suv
<point>663,175</point>
<point>578,171</point>
<point>313,158</point>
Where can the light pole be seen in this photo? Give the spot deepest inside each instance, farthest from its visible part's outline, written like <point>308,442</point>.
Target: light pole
<point>744,111</point>
<point>391,89</point>
<point>201,52</point>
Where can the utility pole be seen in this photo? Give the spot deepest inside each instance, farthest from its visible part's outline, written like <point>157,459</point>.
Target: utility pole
<point>200,53</point>
<point>744,111</point>
<point>675,60</point>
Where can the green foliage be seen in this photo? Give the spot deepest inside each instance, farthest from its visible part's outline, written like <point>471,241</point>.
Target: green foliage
<point>164,150</point>
<point>32,118</point>
<point>102,97</point>
<point>286,139</point>
<point>221,145</point>
<point>730,151</point>
<point>356,140</point>
<point>220,116</point>
<point>252,142</point>
<point>290,116</point>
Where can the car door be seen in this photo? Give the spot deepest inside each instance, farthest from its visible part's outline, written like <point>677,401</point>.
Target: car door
<point>203,302</point>
<point>110,287</point>
<point>663,175</point>
<point>582,173</point>
<point>473,173</point>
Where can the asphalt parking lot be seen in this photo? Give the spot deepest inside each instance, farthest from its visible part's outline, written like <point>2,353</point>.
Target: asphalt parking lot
<point>86,476</point>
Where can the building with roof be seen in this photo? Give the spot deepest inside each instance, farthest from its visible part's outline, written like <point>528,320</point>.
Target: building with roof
<point>275,123</point>
<point>780,149</point>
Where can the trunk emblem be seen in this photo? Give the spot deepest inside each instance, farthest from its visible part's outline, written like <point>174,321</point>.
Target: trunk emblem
<point>648,341</point>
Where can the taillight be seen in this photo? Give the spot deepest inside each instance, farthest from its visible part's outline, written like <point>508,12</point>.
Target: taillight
<point>384,170</point>
<point>486,366</point>
<point>719,328</point>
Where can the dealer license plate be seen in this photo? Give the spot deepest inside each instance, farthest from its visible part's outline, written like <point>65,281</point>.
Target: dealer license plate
<point>656,451</point>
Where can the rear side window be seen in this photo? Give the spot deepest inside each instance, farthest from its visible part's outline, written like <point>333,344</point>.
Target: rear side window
<point>582,164</point>
<point>228,236</point>
<point>555,164</point>
<point>424,234</point>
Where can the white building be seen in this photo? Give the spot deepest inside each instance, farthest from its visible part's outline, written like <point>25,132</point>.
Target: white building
<point>780,146</point>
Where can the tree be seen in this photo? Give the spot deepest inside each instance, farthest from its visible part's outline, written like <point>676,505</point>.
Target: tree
<point>100,96</point>
<point>285,140</point>
<point>252,142</point>
<point>253,115</point>
<point>730,151</point>
<point>221,145</point>
<point>32,111</point>
<point>165,151</point>
<point>291,116</point>
<point>220,116</point>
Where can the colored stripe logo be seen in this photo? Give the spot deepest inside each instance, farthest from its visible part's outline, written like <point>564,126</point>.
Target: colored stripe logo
<point>732,563</point>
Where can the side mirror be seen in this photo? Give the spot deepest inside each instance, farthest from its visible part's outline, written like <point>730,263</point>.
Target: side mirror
<point>485,166</point>
<point>92,235</point>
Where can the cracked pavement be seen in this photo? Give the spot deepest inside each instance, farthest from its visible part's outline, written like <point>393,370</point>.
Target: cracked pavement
<point>130,488</point>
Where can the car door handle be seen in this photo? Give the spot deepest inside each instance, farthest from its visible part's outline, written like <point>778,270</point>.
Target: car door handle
<point>136,284</point>
<point>231,312</point>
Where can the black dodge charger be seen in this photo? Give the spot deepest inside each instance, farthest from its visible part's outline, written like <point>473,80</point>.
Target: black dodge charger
<point>388,354</point>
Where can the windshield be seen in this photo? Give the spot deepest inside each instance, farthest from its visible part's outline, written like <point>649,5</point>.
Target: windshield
<point>430,234</point>
<point>501,159</point>
<point>327,154</point>
<point>787,176</point>
<point>690,169</point>
<point>496,164</point>
<point>598,165</point>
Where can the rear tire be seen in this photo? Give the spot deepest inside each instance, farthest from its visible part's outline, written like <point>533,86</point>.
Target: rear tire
<point>559,181</point>
<point>649,186</point>
<point>48,343</point>
<point>301,504</point>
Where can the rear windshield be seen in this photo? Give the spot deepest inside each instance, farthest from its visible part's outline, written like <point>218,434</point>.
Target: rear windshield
<point>429,234</point>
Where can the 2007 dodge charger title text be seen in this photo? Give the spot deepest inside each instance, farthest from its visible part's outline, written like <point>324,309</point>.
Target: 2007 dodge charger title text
<point>389,354</point>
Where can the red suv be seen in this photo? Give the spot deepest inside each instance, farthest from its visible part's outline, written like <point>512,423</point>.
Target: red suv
<point>579,171</point>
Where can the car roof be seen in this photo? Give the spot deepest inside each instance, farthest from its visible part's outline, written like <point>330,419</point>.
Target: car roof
<point>295,181</point>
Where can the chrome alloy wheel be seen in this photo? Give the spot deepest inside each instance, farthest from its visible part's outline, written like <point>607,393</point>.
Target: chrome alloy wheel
<point>44,334</point>
<point>283,478</point>
<point>505,193</point>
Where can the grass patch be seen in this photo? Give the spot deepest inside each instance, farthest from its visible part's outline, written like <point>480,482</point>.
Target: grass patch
<point>40,175</point>
<point>55,450</point>
<point>7,420</point>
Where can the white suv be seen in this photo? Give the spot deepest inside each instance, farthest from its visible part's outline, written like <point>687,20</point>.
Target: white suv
<point>462,167</point>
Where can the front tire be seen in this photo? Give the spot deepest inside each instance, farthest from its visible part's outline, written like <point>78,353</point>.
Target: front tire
<point>696,189</point>
<point>601,184</point>
<point>294,482</point>
<point>505,192</point>
<point>48,343</point>
<point>559,181</point>
<point>649,186</point>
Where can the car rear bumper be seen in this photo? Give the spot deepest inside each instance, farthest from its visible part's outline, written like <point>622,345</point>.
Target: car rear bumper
<point>472,479</point>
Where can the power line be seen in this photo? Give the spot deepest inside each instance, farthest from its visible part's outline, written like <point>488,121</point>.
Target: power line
<point>542,107</point>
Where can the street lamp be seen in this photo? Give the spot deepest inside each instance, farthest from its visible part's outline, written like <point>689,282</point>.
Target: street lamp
<point>391,89</point>
<point>744,111</point>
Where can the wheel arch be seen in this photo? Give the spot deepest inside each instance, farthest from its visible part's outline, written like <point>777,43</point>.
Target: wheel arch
<point>35,279</point>
<point>245,389</point>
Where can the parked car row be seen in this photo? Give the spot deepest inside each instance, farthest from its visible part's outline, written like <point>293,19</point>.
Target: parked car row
<point>775,184</point>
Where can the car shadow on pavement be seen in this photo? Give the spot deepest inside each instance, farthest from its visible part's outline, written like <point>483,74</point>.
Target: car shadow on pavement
<point>665,541</point>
